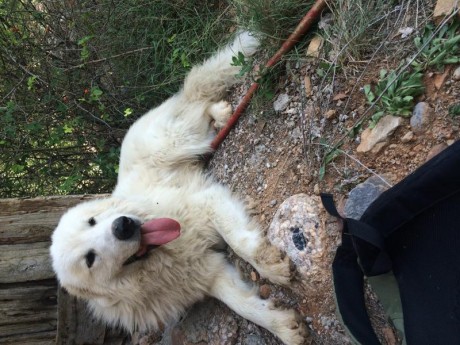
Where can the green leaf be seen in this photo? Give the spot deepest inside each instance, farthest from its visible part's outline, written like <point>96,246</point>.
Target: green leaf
<point>171,39</point>
<point>454,110</point>
<point>67,128</point>
<point>84,40</point>
<point>322,172</point>
<point>31,82</point>
<point>128,112</point>
<point>96,93</point>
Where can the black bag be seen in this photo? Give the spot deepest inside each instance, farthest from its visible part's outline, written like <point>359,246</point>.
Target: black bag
<point>412,231</point>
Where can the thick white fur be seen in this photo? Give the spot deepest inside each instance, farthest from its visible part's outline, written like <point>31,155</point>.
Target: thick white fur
<point>160,176</point>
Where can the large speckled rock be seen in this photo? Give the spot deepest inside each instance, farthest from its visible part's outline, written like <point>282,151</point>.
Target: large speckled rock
<point>299,227</point>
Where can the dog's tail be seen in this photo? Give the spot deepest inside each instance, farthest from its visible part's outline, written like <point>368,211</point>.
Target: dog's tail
<point>210,81</point>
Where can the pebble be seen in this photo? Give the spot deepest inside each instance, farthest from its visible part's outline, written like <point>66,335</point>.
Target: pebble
<point>408,137</point>
<point>379,134</point>
<point>264,291</point>
<point>316,189</point>
<point>330,114</point>
<point>281,102</point>
<point>421,117</point>
<point>456,74</point>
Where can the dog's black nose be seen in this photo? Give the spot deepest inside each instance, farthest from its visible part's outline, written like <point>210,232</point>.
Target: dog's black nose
<point>123,228</point>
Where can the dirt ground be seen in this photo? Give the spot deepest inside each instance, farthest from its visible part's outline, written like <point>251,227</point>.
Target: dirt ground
<point>272,155</point>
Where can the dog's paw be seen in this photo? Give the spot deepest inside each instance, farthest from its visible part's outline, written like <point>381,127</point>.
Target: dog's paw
<point>251,206</point>
<point>246,43</point>
<point>292,330</point>
<point>274,265</point>
<point>220,113</point>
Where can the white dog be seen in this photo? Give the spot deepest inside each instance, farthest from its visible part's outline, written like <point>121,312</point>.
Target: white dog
<point>144,255</point>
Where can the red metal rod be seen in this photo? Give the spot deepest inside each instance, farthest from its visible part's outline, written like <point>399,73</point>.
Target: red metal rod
<point>296,35</point>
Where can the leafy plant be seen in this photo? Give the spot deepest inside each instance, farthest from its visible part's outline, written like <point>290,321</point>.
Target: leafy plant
<point>331,154</point>
<point>440,50</point>
<point>240,60</point>
<point>397,92</point>
<point>454,110</point>
<point>70,88</point>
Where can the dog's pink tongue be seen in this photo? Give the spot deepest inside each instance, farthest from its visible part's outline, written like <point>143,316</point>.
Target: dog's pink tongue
<point>157,232</point>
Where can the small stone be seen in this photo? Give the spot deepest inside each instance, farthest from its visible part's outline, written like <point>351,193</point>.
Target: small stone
<point>254,276</point>
<point>379,134</point>
<point>273,203</point>
<point>264,291</point>
<point>330,114</point>
<point>422,116</point>
<point>361,109</point>
<point>437,149</point>
<point>281,102</point>
<point>408,137</point>
<point>456,74</point>
<point>439,79</point>
<point>444,8</point>
<point>316,189</point>
<point>315,46</point>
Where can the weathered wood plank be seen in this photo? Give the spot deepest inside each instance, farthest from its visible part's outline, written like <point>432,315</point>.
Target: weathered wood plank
<point>28,228</point>
<point>28,304</point>
<point>31,329</point>
<point>76,325</point>
<point>41,204</point>
<point>25,262</point>
<point>33,220</point>
<point>41,338</point>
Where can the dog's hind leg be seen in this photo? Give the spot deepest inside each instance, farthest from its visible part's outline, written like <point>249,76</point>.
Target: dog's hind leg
<point>242,298</point>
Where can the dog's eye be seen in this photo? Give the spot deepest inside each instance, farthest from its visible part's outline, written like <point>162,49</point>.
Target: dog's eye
<point>90,257</point>
<point>92,221</point>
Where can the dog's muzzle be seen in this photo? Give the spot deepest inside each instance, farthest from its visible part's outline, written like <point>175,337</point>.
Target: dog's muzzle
<point>124,228</point>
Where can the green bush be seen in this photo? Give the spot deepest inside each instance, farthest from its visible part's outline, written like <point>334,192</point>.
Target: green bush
<point>75,75</point>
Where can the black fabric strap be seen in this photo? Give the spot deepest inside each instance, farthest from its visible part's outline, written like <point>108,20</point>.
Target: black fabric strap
<point>349,291</point>
<point>367,241</point>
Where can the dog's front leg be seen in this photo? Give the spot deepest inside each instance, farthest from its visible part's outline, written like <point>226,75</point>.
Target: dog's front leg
<point>243,299</point>
<point>245,238</point>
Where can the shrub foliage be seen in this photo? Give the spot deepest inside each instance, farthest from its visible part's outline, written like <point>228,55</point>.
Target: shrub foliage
<point>75,74</point>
